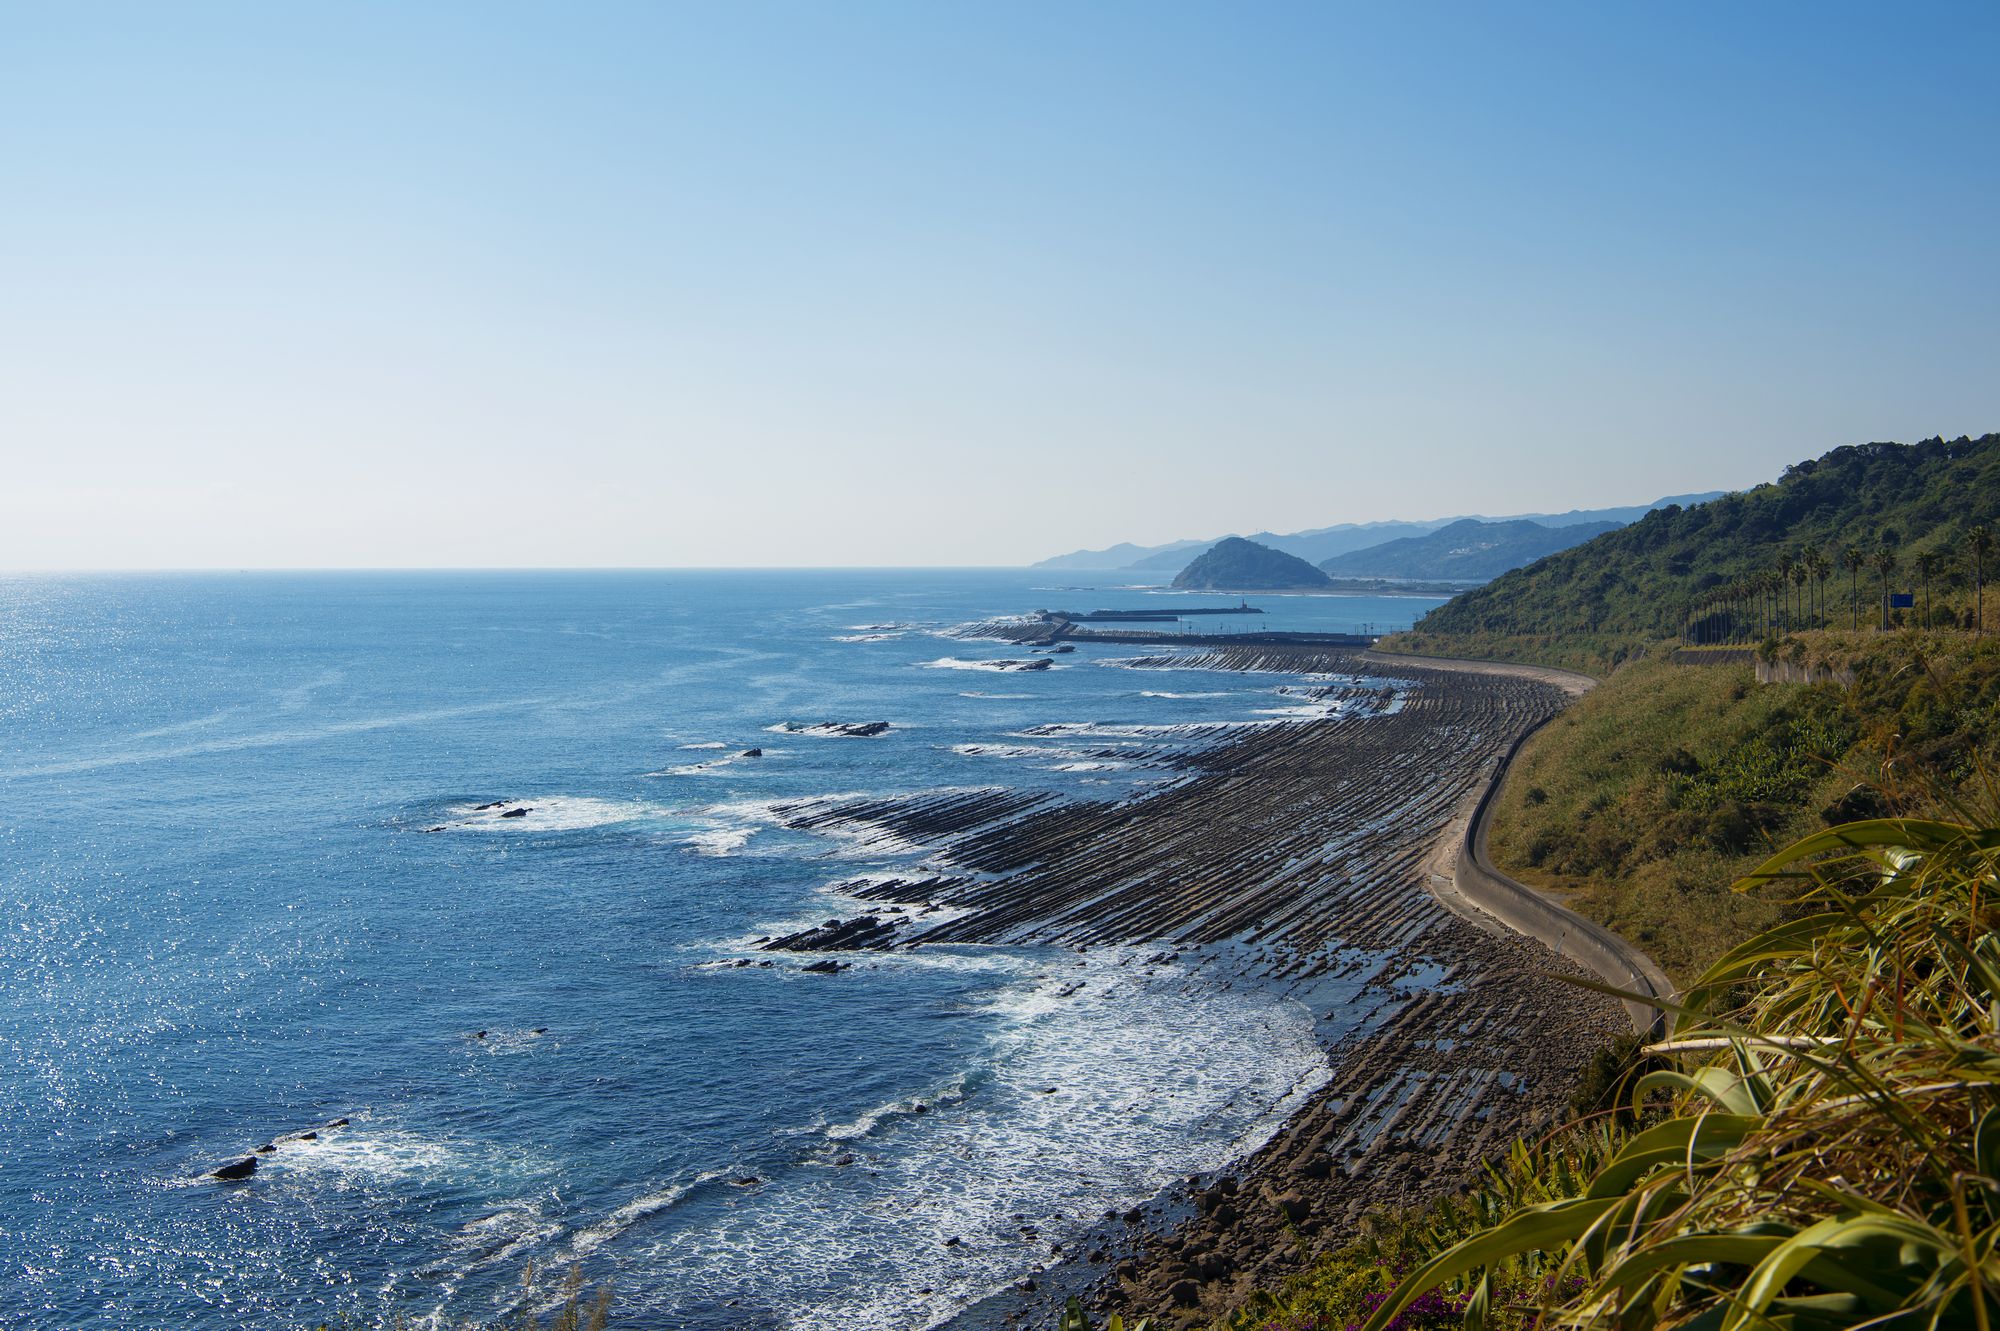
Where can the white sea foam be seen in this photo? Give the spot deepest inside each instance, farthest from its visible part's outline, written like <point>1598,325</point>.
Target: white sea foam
<point>1032,752</point>
<point>592,1237</point>
<point>1001,665</point>
<point>553,813</point>
<point>721,840</point>
<point>706,744</point>
<point>1084,1096</point>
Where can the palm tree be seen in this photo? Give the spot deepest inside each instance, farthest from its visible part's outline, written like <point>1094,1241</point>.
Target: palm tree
<point>1884,560</point>
<point>1979,544</point>
<point>1821,566</point>
<point>1808,558</point>
<point>1800,574</point>
<point>1851,556</point>
<point>1928,564</point>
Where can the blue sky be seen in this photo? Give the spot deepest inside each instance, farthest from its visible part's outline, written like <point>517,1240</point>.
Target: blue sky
<point>653,284</point>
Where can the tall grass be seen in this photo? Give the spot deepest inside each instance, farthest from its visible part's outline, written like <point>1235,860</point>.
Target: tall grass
<point>1644,800</point>
<point>1831,1156</point>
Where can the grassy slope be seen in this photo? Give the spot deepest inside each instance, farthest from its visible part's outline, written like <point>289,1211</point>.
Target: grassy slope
<point>1645,801</point>
<point>1642,803</point>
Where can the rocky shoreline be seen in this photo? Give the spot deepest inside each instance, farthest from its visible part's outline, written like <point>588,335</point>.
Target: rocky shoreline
<point>1301,857</point>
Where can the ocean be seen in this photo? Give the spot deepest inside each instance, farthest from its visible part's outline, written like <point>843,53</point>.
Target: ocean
<point>248,891</point>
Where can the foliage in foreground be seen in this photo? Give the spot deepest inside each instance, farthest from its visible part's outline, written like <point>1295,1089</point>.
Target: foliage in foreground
<point>1832,1152</point>
<point>1346,1286</point>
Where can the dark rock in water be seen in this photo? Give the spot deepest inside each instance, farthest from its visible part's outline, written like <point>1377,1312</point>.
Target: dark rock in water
<point>496,804</point>
<point>920,1108</point>
<point>1133,1216</point>
<point>826,967</point>
<point>521,812</point>
<point>308,1137</point>
<point>854,729</point>
<point>844,1158</point>
<point>235,1169</point>
<point>747,1181</point>
<point>268,1148</point>
<point>1026,1285</point>
<point>477,1035</point>
<point>837,935</point>
<point>953,1242</point>
<point>338,1123</point>
<point>751,753</point>
<point>539,1030</point>
<point>439,828</point>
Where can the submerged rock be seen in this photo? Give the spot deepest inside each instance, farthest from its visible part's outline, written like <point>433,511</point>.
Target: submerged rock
<point>521,812</point>
<point>751,753</point>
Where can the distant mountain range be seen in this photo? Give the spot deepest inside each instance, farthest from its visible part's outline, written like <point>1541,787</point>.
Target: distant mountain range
<point>1465,551</point>
<point>1322,543</point>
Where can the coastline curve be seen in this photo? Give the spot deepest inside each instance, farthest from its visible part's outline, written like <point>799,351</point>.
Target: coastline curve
<point>1475,883</point>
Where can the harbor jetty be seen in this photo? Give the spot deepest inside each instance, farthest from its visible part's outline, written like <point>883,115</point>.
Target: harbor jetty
<point>1047,628</point>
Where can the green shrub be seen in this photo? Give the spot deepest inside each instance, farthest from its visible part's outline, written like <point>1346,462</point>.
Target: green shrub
<point>1832,1155</point>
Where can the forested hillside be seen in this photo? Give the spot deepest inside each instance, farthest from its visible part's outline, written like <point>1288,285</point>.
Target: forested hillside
<point>1913,505</point>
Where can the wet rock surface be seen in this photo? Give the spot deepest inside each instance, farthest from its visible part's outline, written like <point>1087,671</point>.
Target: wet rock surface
<point>1303,853</point>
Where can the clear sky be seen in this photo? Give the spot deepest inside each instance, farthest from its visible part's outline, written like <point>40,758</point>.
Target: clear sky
<point>752,283</point>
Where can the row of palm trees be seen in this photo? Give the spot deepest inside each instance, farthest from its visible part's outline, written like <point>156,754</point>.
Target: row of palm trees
<point>1791,594</point>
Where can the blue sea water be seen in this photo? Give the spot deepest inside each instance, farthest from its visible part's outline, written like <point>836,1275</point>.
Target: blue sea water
<point>224,922</point>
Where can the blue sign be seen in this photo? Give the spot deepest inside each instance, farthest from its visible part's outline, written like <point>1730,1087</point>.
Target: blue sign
<point>1902,600</point>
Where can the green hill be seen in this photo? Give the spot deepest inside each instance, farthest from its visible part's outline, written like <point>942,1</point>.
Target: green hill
<point>1643,581</point>
<point>1237,565</point>
<point>1466,551</point>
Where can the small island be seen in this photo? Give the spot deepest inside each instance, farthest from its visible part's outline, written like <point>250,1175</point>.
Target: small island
<point>1234,564</point>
